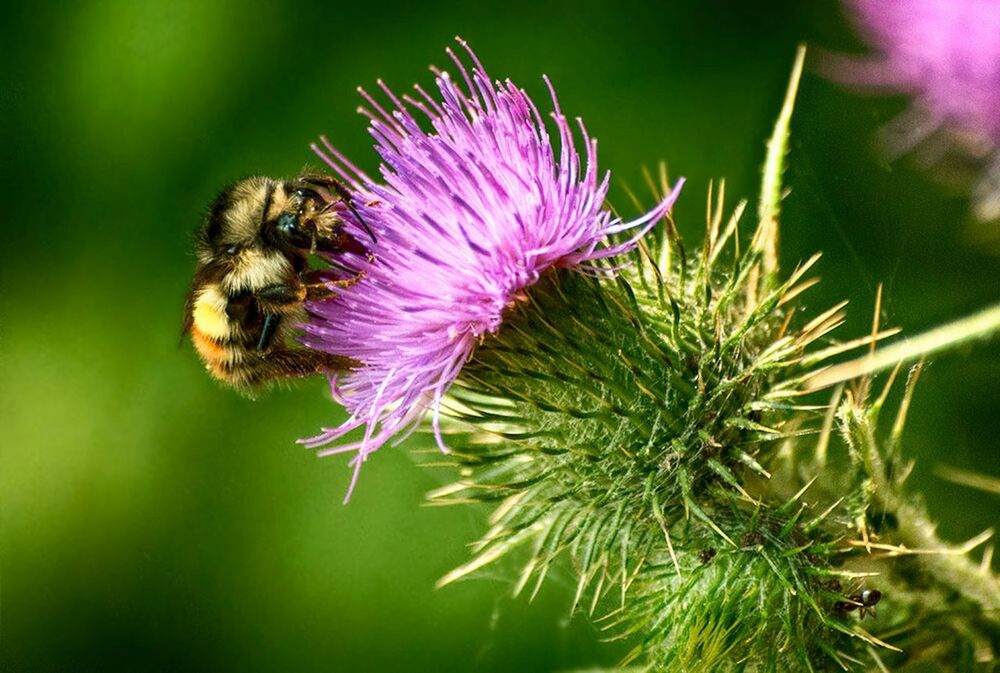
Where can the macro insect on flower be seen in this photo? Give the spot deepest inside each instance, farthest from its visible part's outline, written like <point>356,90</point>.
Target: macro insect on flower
<point>252,278</point>
<point>473,206</point>
<point>650,418</point>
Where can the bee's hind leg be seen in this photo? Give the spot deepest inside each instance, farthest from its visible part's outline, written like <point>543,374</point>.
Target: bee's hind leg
<point>293,363</point>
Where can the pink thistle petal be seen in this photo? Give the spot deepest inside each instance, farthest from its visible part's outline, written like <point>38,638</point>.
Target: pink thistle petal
<point>945,54</point>
<point>466,217</point>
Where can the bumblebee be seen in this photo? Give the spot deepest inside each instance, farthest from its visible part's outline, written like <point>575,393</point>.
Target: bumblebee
<point>253,275</point>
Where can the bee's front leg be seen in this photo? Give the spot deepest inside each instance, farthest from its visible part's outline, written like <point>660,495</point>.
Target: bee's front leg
<point>313,286</point>
<point>278,298</point>
<point>276,301</point>
<point>334,185</point>
<point>318,287</point>
<point>323,180</point>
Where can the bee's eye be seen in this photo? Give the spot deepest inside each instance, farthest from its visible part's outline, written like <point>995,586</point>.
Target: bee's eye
<point>289,232</point>
<point>233,249</point>
<point>287,224</point>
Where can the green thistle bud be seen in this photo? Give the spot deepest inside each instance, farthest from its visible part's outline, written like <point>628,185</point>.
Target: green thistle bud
<point>651,427</point>
<point>626,421</point>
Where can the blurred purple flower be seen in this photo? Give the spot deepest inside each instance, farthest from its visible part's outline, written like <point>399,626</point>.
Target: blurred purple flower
<point>469,214</point>
<point>946,55</point>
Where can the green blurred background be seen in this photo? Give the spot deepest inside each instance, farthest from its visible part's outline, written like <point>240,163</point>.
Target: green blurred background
<point>153,521</point>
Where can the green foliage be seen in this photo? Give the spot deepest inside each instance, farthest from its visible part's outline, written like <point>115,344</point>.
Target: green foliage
<point>623,420</point>
<point>759,605</point>
<point>655,428</point>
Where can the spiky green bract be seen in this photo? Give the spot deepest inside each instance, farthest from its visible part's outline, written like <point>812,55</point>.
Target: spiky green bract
<point>623,419</point>
<point>761,605</point>
<point>654,430</point>
<point>943,609</point>
<point>650,429</point>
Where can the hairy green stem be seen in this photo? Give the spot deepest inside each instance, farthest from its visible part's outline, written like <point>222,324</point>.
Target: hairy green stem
<point>981,325</point>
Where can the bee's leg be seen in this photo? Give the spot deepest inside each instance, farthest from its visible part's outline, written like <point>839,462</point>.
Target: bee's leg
<point>275,301</point>
<point>299,362</point>
<point>319,287</point>
<point>267,332</point>
<point>319,291</point>
<point>277,298</point>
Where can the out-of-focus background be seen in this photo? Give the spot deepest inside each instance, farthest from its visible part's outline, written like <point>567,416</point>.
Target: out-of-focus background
<point>154,521</point>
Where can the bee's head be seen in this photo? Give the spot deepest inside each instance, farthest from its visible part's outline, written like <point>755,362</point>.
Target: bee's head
<point>292,218</point>
<point>305,218</point>
<point>235,220</point>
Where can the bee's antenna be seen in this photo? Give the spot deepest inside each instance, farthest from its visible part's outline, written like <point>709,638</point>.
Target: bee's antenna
<point>364,224</point>
<point>344,194</point>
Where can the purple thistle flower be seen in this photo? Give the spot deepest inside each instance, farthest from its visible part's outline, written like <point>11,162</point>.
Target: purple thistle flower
<point>468,216</point>
<point>943,53</point>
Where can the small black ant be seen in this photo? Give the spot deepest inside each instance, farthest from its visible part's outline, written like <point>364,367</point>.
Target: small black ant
<point>863,601</point>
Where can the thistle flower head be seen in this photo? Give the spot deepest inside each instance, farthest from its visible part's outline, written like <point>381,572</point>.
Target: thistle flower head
<point>654,426</point>
<point>946,55</point>
<point>946,52</point>
<point>469,214</point>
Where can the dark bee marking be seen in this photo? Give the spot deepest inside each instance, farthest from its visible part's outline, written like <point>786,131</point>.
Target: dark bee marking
<point>238,306</point>
<point>268,196</point>
<point>216,217</point>
<point>267,332</point>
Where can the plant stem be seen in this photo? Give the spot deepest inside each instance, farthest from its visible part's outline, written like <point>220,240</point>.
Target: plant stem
<point>980,325</point>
